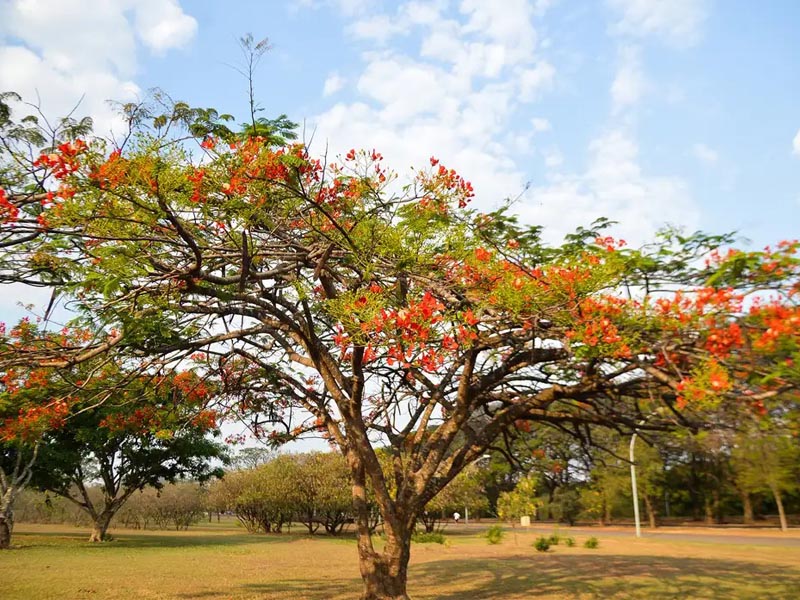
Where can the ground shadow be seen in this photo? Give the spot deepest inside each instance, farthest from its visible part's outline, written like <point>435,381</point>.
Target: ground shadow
<point>605,576</point>
<point>135,539</point>
<point>308,590</point>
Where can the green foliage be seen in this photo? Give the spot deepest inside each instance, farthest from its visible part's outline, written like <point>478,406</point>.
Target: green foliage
<point>175,506</point>
<point>542,544</point>
<point>554,539</point>
<point>495,534</point>
<point>312,488</point>
<point>566,504</point>
<point>569,542</point>
<point>423,537</point>
<point>128,430</point>
<point>519,502</point>
<point>592,543</point>
<point>465,491</point>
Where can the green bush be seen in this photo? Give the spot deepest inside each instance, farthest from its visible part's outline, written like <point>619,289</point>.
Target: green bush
<point>591,543</point>
<point>542,544</point>
<point>554,539</point>
<point>495,534</point>
<point>420,537</point>
<point>569,542</point>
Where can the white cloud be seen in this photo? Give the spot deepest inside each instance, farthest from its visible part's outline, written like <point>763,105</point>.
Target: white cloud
<point>457,97</point>
<point>677,21</point>
<point>333,84</point>
<point>453,97</point>
<point>378,28</point>
<point>796,143</point>
<point>629,82</point>
<point>705,154</point>
<point>347,8</point>
<point>162,25</point>
<point>540,124</point>
<point>65,50</point>
<point>553,158</point>
<point>534,81</point>
<point>511,27</point>
<point>614,186</point>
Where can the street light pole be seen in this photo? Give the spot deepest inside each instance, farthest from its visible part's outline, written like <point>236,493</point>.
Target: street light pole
<point>634,490</point>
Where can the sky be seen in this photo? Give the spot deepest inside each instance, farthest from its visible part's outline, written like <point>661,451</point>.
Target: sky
<point>647,112</point>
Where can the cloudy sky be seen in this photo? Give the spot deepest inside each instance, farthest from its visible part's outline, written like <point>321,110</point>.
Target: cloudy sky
<point>644,111</point>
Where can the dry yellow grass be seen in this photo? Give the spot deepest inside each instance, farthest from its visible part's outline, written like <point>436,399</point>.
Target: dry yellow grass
<point>222,562</point>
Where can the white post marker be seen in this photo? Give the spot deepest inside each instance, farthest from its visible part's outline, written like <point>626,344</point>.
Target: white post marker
<point>633,489</point>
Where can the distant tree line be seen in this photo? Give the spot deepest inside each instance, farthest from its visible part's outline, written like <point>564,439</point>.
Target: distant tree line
<point>313,489</point>
<point>734,475</point>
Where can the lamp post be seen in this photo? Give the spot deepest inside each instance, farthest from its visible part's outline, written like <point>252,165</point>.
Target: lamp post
<point>466,508</point>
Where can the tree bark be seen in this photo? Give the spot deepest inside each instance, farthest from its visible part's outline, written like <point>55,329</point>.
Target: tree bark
<point>606,517</point>
<point>385,573</point>
<point>747,508</point>
<point>6,525</point>
<point>709,508</point>
<point>651,511</point>
<point>781,513</point>
<point>6,519</point>
<point>100,526</point>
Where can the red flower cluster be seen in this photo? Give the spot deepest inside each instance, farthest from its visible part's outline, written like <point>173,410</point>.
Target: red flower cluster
<point>111,173</point>
<point>33,421</point>
<point>442,187</point>
<point>64,162</point>
<point>8,211</point>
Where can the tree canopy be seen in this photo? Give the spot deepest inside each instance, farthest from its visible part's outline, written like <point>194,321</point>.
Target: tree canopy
<point>331,296</point>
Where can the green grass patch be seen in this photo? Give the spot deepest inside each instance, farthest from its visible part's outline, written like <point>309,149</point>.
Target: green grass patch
<point>421,537</point>
<point>221,562</point>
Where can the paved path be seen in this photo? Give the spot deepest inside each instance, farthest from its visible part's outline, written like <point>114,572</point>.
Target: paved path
<point>741,536</point>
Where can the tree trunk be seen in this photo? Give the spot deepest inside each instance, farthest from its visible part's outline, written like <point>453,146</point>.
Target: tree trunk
<point>6,520</point>
<point>6,525</point>
<point>385,573</point>
<point>747,508</point>
<point>100,526</point>
<point>651,511</point>
<point>781,513</point>
<point>709,511</point>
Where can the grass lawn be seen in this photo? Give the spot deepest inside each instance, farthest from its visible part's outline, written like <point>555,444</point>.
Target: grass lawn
<point>221,562</point>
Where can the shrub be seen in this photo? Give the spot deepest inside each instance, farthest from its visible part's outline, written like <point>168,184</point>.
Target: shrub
<point>421,537</point>
<point>554,539</point>
<point>495,534</point>
<point>569,542</point>
<point>591,543</point>
<point>542,544</point>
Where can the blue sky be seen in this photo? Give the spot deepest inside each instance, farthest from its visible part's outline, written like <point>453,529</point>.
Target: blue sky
<point>644,111</point>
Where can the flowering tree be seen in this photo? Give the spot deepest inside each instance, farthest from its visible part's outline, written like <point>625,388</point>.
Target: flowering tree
<point>337,299</point>
<point>152,431</point>
<point>33,402</point>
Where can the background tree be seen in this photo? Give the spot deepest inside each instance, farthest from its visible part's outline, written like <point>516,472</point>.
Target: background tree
<point>464,494</point>
<point>154,432</point>
<point>34,401</point>
<point>519,502</point>
<point>767,461</point>
<point>323,486</point>
<point>264,499</point>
